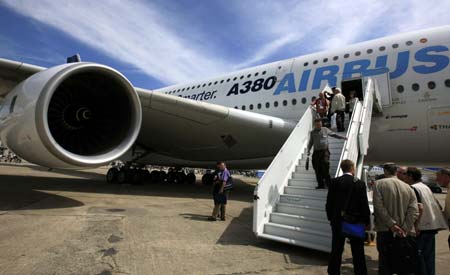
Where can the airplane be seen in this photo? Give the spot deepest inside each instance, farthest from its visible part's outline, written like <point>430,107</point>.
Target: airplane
<point>82,114</point>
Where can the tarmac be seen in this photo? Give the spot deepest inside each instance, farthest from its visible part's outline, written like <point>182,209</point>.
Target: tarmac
<point>73,222</point>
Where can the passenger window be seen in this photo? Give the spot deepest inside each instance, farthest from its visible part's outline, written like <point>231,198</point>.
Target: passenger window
<point>447,83</point>
<point>395,46</point>
<point>209,84</point>
<point>264,72</point>
<point>305,64</point>
<point>346,55</point>
<point>382,48</point>
<point>431,85</point>
<point>228,80</point>
<point>415,87</point>
<point>409,43</point>
<point>267,105</point>
<point>215,83</point>
<point>259,105</point>
<point>204,85</point>
<point>284,102</point>
<point>294,101</point>
<point>248,76</point>
<point>275,103</point>
<point>243,107</point>
<point>400,89</point>
<point>369,51</point>
<point>358,53</point>
<point>325,60</point>
<point>256,74</point>
<point>182,90</point>
<point>315,62</point>
<point>234,79</point>
<point>250,107</point>
<point>303,100</point>
<point>241,77</point>
<point>335,58</point>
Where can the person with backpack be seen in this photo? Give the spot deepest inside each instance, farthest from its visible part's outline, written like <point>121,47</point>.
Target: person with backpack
<point>347,206</point>
<point>221,192</point>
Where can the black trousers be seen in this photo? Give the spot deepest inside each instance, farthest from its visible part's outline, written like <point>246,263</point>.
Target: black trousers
<point>321,165</point>
<point>337,248</point>
<point>340,117</point>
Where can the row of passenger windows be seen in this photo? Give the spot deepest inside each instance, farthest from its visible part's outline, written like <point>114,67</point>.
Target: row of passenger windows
<point>368,51</point>
<point>275,104</point>
<point>325,60</point>
<point>215,82</point>
<point>415,86</point>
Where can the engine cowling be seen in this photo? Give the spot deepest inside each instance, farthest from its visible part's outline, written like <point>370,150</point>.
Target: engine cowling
<point>72,115</point>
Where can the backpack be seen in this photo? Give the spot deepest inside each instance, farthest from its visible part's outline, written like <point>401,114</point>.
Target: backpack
<point>229,184</point>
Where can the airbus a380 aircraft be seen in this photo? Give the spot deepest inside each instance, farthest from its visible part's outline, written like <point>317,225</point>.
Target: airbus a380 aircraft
<point>84,114</point>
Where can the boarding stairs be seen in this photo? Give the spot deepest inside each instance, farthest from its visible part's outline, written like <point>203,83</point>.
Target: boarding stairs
<point>287,207</point>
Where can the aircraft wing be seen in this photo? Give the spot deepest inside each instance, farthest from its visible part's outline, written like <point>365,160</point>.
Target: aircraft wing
<point>14,72</point>
<point>196,130</point>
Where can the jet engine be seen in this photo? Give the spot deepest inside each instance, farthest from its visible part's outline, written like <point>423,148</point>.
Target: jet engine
<point>71,116</point>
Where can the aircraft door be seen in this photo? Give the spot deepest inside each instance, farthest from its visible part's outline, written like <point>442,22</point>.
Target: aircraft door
<point>383,87</point>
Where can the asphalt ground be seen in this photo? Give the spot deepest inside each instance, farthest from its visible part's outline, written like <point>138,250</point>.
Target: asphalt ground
<point>73,222</point>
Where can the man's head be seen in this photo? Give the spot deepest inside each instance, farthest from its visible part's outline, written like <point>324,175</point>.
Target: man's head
<point>389,169</point>
<point>352,94</point>
<point>318,123</point>
<point>414,175</point>
<point>348,166</point>
<point>336,91</point>
<point>401,173</point>
<point>221,165</point>
<point>443,177</point>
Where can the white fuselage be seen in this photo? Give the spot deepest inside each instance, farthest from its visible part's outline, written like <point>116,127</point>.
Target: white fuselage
<point>415,124</point>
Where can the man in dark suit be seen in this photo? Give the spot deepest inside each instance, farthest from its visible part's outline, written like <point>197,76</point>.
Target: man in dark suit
<point>357,206</point>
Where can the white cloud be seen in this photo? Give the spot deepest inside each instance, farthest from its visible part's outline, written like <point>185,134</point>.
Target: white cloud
<point>130,31</point>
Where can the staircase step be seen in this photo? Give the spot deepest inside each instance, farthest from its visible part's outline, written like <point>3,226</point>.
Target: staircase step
<point>310,175</point>
<point>306,191</point>
<point>302,169</point>
<point>315,238</point>
<point>301,210</point>
<point>301,221</point>
<point>318,202</point>
<point>300,242</point>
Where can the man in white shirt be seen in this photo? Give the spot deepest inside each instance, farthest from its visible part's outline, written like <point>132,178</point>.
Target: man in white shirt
<point>338,107</point>
<point>430,221</point>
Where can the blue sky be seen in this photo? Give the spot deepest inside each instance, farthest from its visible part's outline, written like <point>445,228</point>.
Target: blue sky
<point>159,43</point>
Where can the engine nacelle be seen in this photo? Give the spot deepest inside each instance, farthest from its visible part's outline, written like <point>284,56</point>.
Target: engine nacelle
<point>72,115</point>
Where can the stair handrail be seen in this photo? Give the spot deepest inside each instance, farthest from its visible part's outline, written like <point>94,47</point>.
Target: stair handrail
<point>366,119</point>
<point>357,143</point>
<point>276,177</point>
<point>350,149</point>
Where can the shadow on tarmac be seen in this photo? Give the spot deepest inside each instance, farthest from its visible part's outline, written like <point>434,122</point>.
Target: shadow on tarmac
<point>19,192</point>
